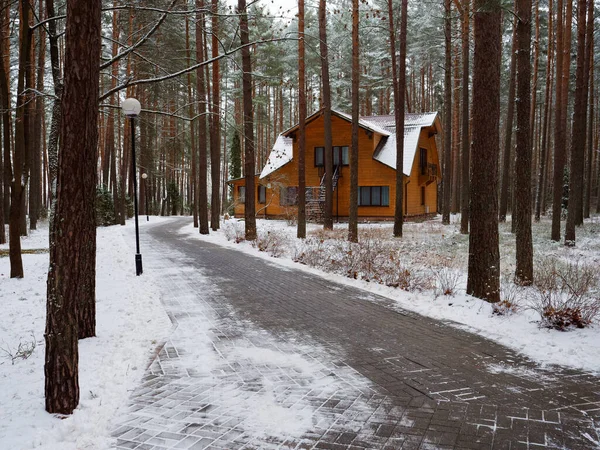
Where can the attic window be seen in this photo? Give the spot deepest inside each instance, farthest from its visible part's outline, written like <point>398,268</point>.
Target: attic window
<point>338,153</point>
<point>423,160</point>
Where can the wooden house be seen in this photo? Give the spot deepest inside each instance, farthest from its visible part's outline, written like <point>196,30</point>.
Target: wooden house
<point>277,184</point>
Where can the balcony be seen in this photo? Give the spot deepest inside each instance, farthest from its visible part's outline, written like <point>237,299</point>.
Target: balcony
<point>428,174</point>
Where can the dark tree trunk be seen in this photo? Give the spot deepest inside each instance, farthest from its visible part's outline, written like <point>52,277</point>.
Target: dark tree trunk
<point>524,264</point>
<point>215,134</point>
<point>466,155</point>
<point>590,128</point>
<point>484,255</point>
<point>72,258</point>
<point>202,153</point>
<point>301,233</point>
<point>508,128</point>
<point>353,214</point>
<point>543,167</point>
<point>578,131</point>
<point>447,180</point>
<point>328,216</point>
<point>5,168</point>
<point>249,169</point>
<point>191,112</point>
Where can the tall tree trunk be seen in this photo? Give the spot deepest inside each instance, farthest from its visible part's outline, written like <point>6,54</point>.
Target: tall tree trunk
<point>215,135</point>
<point>5,104</point>
<point>249,167</point>
<point>76,191</point>
<point>465,141</point>
<point>524,263</point>
<point>543,167</point>
<point>191,112</point>
<point>20,149</point>
<point>578,131</point>
<point>301,232</point>
<point>447,180</point>
<point>508,128</point>
<point>201,94</point>
<point>324,52</point>
<point>455,206</point>
<point>590,128</point>
<point>353,214</point>
<point>563,42</point>
<point>484,255</point>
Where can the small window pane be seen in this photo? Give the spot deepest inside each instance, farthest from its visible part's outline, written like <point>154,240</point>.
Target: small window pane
<point>262,194</point>
<point>242,193</point>
<point>376,195</point>
<point>385,196</point>
<point>365,196</point>
<point>345,156</point>
<point>336,156</point>
<point>319,152</point>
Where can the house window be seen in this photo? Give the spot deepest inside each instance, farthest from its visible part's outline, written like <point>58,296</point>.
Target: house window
<point>338,152</point>
<point>262,194</point>
<point>242,193</point>
<point>288,196</point>
<point>422,195</point>
<point>423,160</point>
<point>374,196</point>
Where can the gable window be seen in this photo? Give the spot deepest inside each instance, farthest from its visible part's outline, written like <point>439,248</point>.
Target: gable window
<point>423,160</point>
<point>422,195</point>
<point>339,153</point>
<point>288,196</point>
<point>262,194</point>
<point>374,196</point>
<point>242,193</point>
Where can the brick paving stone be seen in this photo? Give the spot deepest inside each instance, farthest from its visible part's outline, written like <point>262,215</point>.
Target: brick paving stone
<point>244,331</point>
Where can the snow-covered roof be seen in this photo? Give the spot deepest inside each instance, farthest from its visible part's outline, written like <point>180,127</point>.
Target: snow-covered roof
<point>282,152</point>
<point>413,123</point>
<point>280,155</point>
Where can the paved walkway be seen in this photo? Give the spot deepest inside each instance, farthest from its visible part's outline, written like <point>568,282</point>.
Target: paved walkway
<point>265,357</point>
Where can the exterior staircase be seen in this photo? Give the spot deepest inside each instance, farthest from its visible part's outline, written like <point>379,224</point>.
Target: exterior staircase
<point>315,198</point>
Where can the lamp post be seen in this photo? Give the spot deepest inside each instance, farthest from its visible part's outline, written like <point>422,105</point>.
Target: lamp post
<point>145,177</point>
<point>131,108</point>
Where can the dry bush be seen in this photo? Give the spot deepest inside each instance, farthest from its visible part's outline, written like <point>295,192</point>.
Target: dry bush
<point>511,297</point>
<point>234,231</point>
<point>271,242</point>
<point>23,351</point>
<point>565,295</point>
<point>446,281</point>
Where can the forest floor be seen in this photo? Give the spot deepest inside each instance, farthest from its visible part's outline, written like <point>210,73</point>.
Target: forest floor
<point>132,322</point>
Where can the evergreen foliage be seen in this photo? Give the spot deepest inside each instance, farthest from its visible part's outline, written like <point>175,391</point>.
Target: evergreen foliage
<point>105,208</point>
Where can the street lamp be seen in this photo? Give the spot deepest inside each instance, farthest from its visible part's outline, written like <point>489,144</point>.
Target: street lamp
<point>145,177</point>
<point>131,108</point>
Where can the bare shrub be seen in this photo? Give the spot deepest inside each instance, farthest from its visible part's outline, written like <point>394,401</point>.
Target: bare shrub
<point>565,295</point>
<point>446,281</point>
<point>511,297</point>
<point>23,351</point>
<point>271,242</point>
<point>234,231</point>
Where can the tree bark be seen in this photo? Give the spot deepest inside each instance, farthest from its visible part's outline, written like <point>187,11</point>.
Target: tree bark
<point>524,263</point>
<point>447,180</point>
<point>328,216</point>
<point>508,128</point>
<point>201,94</point>
<point>465,141</point>
<point>249,167</point>
<point>578,131</point>
<point>484,255</point>
<point>301,232</point>
<point>215,135</point>
<point>353,213</point>
<point>590,128</point>
<point>73,255</point>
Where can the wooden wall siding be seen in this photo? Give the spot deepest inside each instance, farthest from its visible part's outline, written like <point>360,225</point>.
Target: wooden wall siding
<point>371,173</point>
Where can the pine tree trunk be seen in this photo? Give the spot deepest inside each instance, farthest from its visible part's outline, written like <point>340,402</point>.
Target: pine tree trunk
<point>578,132</point>
<point>543,167</point>
<point>447,179</point>
<point>524,263</point>
<point>68,277</point>
<point>590,128</point>
<point>191,112</point>
<point>301,232</point>
<point>5,168</point>
<point>249,165</point>
<point>484,256</point>
<point>324,52</point>
<point>215,135</point>
<point>353,213</point>
<point>202,153</point>
<point>508,127</point>
<point>465,141</point>
<point>455,205</point>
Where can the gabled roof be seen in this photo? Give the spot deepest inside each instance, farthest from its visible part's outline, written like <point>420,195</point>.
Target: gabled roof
<point>282,152</point>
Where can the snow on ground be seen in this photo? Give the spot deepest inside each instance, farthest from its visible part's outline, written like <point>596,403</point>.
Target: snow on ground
<point>130,324</point>
<point>428,243</point>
